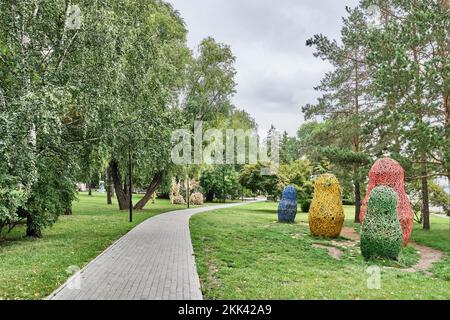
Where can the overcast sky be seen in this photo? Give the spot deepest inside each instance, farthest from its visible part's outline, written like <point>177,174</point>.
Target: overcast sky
<point>276,71</point>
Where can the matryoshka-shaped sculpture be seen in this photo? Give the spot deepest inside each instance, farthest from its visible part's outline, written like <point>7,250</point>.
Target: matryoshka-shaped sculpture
<point>388,172</point>
<point>326,215</point>
<point>381,234</point>
<point>287,209</point>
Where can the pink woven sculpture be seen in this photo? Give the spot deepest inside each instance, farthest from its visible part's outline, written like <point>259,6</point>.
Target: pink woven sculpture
<point>388,172</point>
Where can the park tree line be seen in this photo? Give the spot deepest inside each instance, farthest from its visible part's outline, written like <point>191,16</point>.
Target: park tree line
<point>84,85</point>
<point>387,95</point>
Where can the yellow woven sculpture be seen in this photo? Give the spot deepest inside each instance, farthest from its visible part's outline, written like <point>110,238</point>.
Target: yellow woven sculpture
<point>326,215</point>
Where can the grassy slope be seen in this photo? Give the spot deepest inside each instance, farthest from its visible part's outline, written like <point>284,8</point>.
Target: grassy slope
<point>243,253</point>
<point>32,269</point>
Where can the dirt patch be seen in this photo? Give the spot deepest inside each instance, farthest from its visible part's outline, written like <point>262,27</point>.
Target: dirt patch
<point>350,233</point>
<point>428,256</point>
<point>333,252</point>
<point>344,244</point>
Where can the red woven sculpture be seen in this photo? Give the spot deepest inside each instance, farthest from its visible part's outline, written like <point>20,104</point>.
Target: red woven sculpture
<point>388,172</point>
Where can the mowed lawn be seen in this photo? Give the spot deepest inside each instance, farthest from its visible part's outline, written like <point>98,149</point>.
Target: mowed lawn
<point>243,253</point>
<point>33,268</point>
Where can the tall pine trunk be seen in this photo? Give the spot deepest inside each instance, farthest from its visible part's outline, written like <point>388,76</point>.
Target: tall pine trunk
<point>425,196</point>
<point>357,186</point>
<point>357,143</point>
<point>423,158</point>
<point>447,137</point>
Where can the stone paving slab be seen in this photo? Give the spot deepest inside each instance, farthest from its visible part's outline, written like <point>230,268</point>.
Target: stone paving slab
<point>154,261</point>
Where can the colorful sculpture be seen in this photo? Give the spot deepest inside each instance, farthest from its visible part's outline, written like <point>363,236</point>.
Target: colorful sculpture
<point>381,234</point>
<point>388,172</point>
<point>326,214</point>
<point>287,209</point>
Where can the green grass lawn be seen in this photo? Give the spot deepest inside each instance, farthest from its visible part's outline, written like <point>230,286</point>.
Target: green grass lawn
<point>243,253</point>
<point>33,268</point>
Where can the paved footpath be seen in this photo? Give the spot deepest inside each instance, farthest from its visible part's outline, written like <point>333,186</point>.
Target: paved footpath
<point>154,261</point>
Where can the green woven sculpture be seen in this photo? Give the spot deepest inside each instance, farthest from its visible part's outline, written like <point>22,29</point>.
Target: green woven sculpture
<point>381,233</point>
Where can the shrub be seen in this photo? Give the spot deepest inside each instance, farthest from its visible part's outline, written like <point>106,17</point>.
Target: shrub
<point>196,199</point>
<point>305,205</point>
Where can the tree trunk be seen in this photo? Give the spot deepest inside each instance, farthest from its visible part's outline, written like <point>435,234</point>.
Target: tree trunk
<point>109,195</point>
<point>357,186</point>
<point>424,168</point>
<point>357,143</point>
<point>210,196</point>
<point>68,211</point>
<point>90,189</point>
<point>425,198</point>
<point>121,194</point>
<point>109,186</point>
<point>156,182</point>
<point>32,230</point>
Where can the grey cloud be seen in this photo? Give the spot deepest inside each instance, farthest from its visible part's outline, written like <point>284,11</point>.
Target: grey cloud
<point>276,71</point>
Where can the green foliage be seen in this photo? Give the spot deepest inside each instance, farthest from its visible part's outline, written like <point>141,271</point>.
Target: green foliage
<point>220,182</point>
<point>251,177</point>
<point>381,234</point>
<point>439,197</point>
<point>305,205</point>
<point>72,100</point>
<point>298,174</point>
<point>288,149</point>
<point>210,82</point>
<point>17,166</point>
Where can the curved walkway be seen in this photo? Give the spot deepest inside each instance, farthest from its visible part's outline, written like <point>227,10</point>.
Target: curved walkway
<point>154,261</point>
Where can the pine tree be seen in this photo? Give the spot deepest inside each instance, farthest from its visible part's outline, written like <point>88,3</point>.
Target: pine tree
<point>346,94</point>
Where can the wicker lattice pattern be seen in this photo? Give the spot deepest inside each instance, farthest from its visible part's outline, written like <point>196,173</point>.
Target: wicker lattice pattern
<point>388,172</point>
<point>326,215</point>
<point>381,234</point>
<point>287,209</point>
